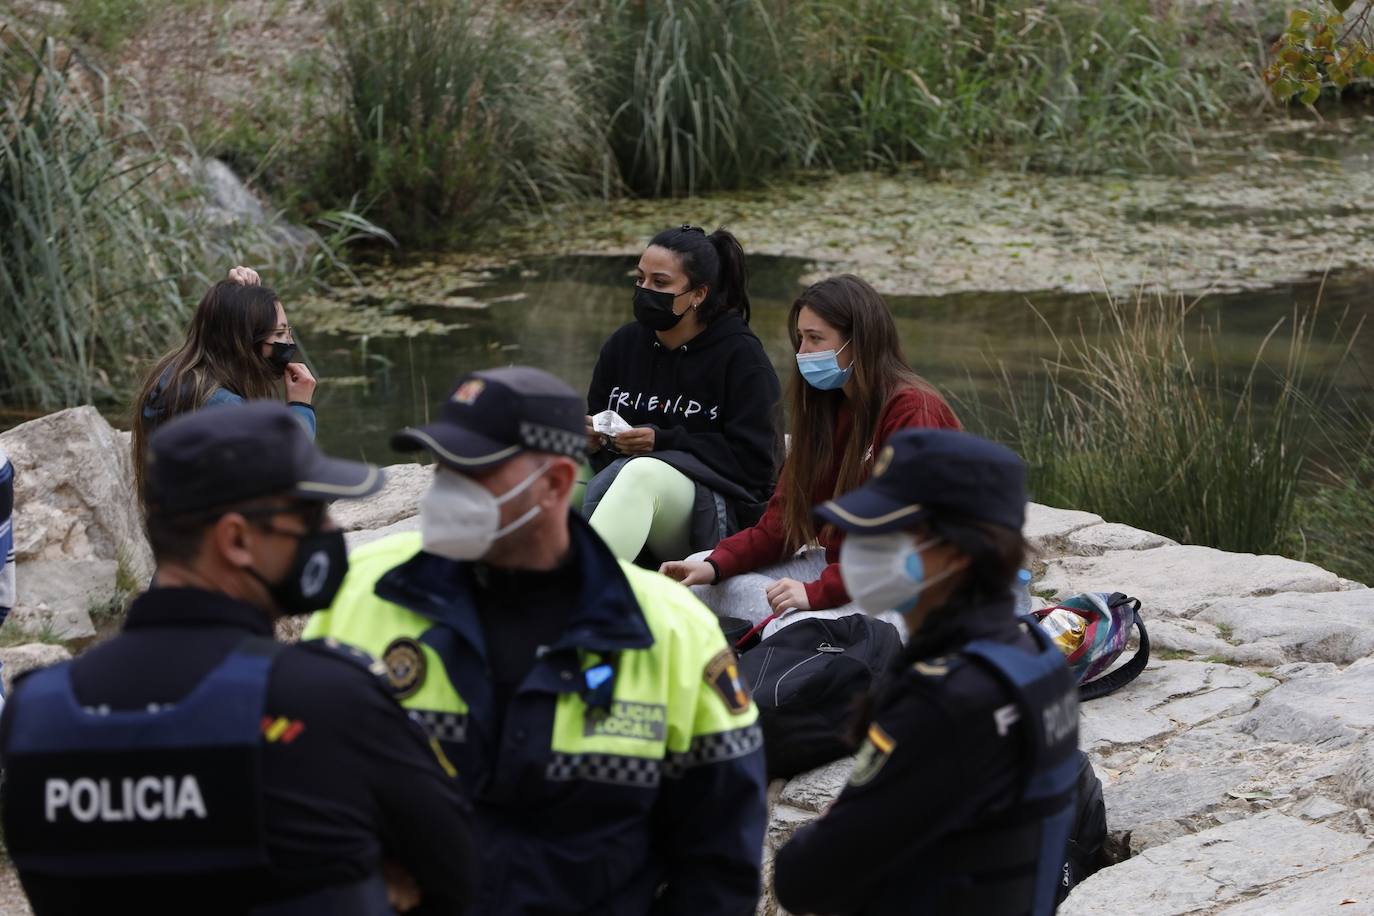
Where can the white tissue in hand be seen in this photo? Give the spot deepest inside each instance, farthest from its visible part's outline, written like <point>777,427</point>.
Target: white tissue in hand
<point>610,423</point>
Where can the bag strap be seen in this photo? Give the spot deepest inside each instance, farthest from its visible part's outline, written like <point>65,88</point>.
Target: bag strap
<point>1116,679</point>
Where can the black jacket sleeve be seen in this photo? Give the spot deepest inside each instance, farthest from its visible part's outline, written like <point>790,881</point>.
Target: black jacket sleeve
<point>746,450</point>
<point>599,392</point>
<point>897,804</point>
<point>425,823</point>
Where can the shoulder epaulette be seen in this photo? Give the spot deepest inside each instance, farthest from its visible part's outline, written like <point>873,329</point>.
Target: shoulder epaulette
<point>333,648</point>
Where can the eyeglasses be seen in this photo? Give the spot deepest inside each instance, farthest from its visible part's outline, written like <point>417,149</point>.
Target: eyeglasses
<point>310,512</point>
<point>284,329</point>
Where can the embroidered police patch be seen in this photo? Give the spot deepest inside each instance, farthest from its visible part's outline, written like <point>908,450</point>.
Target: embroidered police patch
<point>871,757</point>
<point>722,673</point>
<point>405,666</point>
<point>469,391</point>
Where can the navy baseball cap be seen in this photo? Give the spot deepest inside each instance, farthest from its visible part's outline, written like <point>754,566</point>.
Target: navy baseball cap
<point>220,456</point>
<point>493,415</point>
<point>923,472</point>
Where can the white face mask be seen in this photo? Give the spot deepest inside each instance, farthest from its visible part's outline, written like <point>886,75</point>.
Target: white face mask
<point>460,519</point>
<point>884,572</point>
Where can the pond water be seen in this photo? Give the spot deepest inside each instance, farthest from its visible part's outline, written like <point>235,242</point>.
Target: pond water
<point>556,313</point>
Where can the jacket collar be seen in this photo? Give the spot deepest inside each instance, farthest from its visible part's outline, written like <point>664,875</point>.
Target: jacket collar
<point>949,629</point>
<point>193,607</point>
<point>606,616</point>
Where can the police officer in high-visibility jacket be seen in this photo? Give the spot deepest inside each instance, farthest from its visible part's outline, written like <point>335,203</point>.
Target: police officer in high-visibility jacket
<point>962,793</point>
<point>592,709</point>
<point>193,765</point>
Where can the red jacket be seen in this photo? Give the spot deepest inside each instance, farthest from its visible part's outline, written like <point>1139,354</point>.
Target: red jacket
<point>763,544</point>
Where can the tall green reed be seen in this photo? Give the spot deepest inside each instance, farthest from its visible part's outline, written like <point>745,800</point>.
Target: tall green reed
<point>1065,85</point>
<point>1137,422</point>
<point>446,114</point>
<point>700,95</point>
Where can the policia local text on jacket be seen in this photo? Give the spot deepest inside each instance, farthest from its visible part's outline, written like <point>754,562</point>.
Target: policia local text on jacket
<point>651,803</point>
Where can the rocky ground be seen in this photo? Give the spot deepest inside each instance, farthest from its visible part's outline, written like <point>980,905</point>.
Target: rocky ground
<point>1238,769</point>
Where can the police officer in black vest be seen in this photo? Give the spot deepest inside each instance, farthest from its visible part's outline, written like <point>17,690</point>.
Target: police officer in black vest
<point>192,764</point>
<point>962,792</point>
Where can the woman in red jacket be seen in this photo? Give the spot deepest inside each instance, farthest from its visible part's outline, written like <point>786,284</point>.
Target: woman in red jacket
<point>851,391</point>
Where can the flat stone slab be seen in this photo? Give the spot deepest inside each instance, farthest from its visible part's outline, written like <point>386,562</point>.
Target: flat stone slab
<point>355,539</point>
<point>56,597</point>
<point>1340,890</point>
<point>1325,627</point>
<point>1197,872</point>
<point>1047,528</point>
<point>1096,540</point>
<point>20,659</point>
<point>398,499</point>
<point>1322,711</point>
<point>814,791</point>
<point>1180,581</point>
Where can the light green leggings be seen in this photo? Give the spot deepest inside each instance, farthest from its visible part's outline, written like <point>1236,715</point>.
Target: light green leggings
<point>650,503</point>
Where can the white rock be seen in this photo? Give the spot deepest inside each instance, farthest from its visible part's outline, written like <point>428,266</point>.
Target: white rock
<point>1356,781</point>
<point>1327,627</point>
<point>19,659</point>
<point>783,821</point>
<point>1203,639</point>
<point>1155,806</point>
<point>356,539</point>
<point>1204,869</point>
<point>1096,540</point>
<point>1328,712</point>
<point>59,595</point>
<point>814,791</point>
<point>1341,890</point>
<point>397,500</point>
<point>1047,528</point>
<point>1179,581</point>
<point>1319,808</point>
<point>73,490</point>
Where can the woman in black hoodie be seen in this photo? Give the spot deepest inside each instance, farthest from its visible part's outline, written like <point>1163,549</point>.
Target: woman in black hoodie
<point>694,382</point>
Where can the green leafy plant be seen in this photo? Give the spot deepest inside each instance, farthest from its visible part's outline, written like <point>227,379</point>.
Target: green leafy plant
<point>700,95</point>
<point>446,115</point>
<point>1320,46</point>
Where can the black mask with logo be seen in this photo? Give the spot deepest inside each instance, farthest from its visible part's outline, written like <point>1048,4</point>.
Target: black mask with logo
<point>317,571</point>
<point>281,356</point>
<point>654,308</point>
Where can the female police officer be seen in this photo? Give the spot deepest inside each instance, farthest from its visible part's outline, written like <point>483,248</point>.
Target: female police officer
<point>962,793</point>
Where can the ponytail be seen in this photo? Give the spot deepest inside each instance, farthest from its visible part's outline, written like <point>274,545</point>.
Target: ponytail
<point>715,261</point>
<point>733,277</point>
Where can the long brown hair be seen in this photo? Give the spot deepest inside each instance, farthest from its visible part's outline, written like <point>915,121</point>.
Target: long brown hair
<point>855,309</point>
<point>222,350</point>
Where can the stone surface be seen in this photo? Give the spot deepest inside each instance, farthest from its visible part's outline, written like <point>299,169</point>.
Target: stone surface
<point>1323,711</point>
<point>1163,804</point>
<point>19,659</point>
<point>1178,634</point>
<point>1341,890</point>
<point>73,492</point>
<point>1096,540</point>
<point>1327,627</point>
<point>398,499</point>
<point>815,791</point>
<point>57,596</point>
<point>356,539</point>
<point>1356,780</point>
<point>1180,581</point>
<point>1195,872</point>
<point>1046,528</point>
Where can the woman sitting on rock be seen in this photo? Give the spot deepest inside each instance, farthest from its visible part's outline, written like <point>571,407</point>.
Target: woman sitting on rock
<point>851,391</point>
<point>239,347</point>
<point>695,386</point>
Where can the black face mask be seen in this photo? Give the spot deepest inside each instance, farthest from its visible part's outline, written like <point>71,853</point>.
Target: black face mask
<point>315,575</point>
<point>282,356</point>
<point>654,309</point>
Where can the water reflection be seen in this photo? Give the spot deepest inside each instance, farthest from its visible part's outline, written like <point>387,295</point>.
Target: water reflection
<point>556,313</point>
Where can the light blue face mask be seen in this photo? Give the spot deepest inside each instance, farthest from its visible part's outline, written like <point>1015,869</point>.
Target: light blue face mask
<point>822,369</point>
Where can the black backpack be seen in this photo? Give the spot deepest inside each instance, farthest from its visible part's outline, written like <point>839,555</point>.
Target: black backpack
<point>1086,852</point>
<point>806,679</point>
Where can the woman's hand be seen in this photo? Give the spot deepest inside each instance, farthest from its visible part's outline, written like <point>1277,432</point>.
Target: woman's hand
<point>595,441</point>
<point>300,384</point>
<point>244,276</point>
<point>787,593</point>
<point>690,572</point>
<point>402,890</point>
<point>637,441</point>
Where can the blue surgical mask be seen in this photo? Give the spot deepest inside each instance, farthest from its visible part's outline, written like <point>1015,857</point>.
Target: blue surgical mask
<point>885,572</point>
<point>822,369</point>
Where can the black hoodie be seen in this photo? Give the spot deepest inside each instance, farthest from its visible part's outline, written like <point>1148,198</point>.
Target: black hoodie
<point>713,402</point>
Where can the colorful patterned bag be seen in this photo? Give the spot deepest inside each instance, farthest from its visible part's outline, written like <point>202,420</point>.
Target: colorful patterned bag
<point>1092,630</point>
